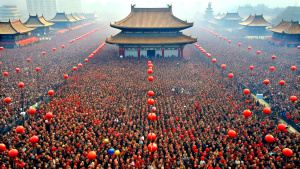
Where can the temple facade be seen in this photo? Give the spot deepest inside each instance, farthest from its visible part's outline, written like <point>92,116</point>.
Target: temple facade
<point>151,32</point>
<point>255,25</point>
<point>42,26</point>
<point>62,21</point>
<point>229,20</point>
<point>286,34</point>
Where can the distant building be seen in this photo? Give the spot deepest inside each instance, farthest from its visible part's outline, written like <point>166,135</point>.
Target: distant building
<point>152,32</point>
<point>288,14</point>
<point>229,20</point>
<point>47,8</point>
<point>286,34</point>
<point>209,13</point>
<point>63,21</point>
<point>42,26</point>
<point>9,12</point>
<point>69,6</point>
<point>255,25</point>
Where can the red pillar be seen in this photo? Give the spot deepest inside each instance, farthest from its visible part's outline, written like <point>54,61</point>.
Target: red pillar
<point>179,52</point>
<point>139,52</point>
<point>120,51</point>
<point>163,52</point>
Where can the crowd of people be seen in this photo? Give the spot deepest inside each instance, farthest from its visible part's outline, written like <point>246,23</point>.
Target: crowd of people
<point>196,104</point>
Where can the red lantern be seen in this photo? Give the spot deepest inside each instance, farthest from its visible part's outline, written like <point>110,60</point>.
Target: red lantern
<point>249,47</point>
<point>50,92</point>
<point>150,71</point>
<point>293,67</point>
<point>17,69</point>
<point>71,41</point>
<point>258,52</point>
<point>86,60</point>
<point>2,147</point>
<point>273,57</point>
<point>74,68</point>
<point>150,65</point>
<point>28,60</point>
<point>246,91</point>
<point>150,93</point>
<point>5,73</point>
<point>62,46</point>
<point>92,155</point>
<point>7,100</point>
<point>240,44</point>
<point>267,110</point>
<point>293,98</point>
<point>66,76</point>
<point>287,152</point>
<point>20,129</point>
<point>150,78</point>
<point>34,139</point>
<point>281,127</point>
<point>247,113</point>
<point>152,147</point>
<point>44,53</point>
<point>214,60</point>
<point>229,41</point>
<point>37,69</point>
<point>79,65</point>
<point>149,62</point>
<point>31,111</point>
<point>231,133</point>
<point>1,48</point>
<point>152,116</point>
<point>223,66</point>
<point>266,81</point>
<point>151,136</point>
<point>297,47</point>
<point>21,85</point>
<point>13,153</point>
<point>282,82</point>
<point>150,101</point>
<point>272,68</point>
<point>230,75</point>
<point>49,115</point>
<point>269,138</point>
<point>54,49</point>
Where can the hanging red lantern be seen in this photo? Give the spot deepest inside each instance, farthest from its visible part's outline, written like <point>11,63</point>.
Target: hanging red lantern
<point>21,85</point>
<point>247,113</point>
<point>223,66</point>
<point>266,81</point>
<point>272,68</point>
<point>54,49</point>
<point>246,91</point>
<point>44,53</point>
<point>150,65</point>
<point>152,116</point>
<point>92,155</point>
<point>152,147</point>
<point>273,57</point>
<point>229,41</point>
<point>74,68</point>
<point>281,127</point>
<point>297,47</point>
<point>293,67</point>
<point>151,136</point>
<point>37,69</point>
<point>49,115</point>
<point>66,76</point>
<point>150,78</point>
<point>214,60</point>
<point>150,93</point>
<point>5,73</point>
<point>32,111</point>
<point>62,46</point>
<point>13,153</point>
<point>251,67</point>
<point>150,71</point>
<point>79,65</point>
<point>7,100</point>
<point>231,133</point>
<point>240,44</point>
<point>269,138</point>
<point>20,129</point>
<point>1,48</point>
<point>149,62</point>
<point>150,101</point>
<point>230,75</point>
<point>17,69</point>
<point>293,98</point>
<point>249,47</point>
<point>258,52</point>
<point>267,110</point>
<point>2,147</point>
<point>282,82</point>
<point>287,152</point>
<point>28,60</point>
<point>34,139</point>
<point>50,92</point>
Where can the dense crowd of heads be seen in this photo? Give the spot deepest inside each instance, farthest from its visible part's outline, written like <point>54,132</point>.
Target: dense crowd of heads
<point>103,106</point>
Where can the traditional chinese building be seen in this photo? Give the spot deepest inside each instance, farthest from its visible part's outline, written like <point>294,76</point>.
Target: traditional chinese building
<point>255,25</point>
<point>15,34</point>
<point>91,16</point>
<point>62,21</point>
<point>286,34</point>
<point>229,20</point>
<point>152,32</point>
<point>209,13</point>
<point>42,26</point>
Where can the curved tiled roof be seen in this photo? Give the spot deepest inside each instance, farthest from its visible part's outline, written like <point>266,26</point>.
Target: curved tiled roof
<point>35,21</point>
<point>14,27</point>
<point>287,27</point>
